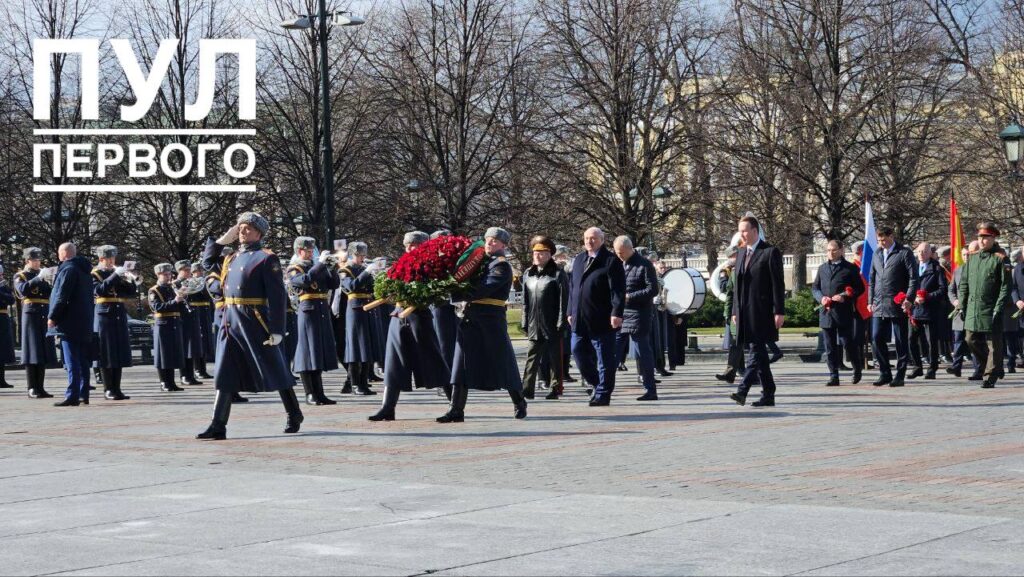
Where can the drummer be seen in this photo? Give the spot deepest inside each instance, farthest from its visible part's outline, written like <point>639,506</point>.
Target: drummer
<point>637,318</point>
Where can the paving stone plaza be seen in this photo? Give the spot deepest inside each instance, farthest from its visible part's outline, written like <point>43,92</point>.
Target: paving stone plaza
<point>927,479</point>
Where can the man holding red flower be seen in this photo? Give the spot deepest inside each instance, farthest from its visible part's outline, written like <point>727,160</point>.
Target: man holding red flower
<point>837,286</point>
<point>928,315</point>
<point>893,277</point>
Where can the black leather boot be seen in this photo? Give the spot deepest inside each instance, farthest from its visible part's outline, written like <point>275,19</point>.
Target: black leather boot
<point>36,376</point>
<point>363,383</point>
<point>307,386</point>
<point>457,409</point>
<point>291,405</point>
<point>387,409</point>
<point>3,380</point>
<point>188,374</point>
<point>218,429</point>
<point>167,381</point>
<point>115,375</point>
<point>319,396</point>
<point>237,398</point>
<point>447,390</point>
<point>201,363</point>
<point>98,376</point>
<point>519,402</point>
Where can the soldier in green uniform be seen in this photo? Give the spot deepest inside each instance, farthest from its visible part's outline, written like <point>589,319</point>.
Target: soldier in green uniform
<point>984,290</point>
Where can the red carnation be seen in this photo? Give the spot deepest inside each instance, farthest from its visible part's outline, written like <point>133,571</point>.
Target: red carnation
<point>848,291</point>
<point>922,294</point>
<point>900,298</point>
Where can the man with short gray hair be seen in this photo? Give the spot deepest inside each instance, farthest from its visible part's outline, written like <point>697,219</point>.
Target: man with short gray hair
<point>70,319</point>
<point>637,321</point>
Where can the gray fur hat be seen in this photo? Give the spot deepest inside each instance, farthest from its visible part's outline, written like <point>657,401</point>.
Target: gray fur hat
<point>498,233</point>
<point>197,267</point>
<point>561,249</point>
<point>32,253</point>
<point>163,267</point>
<point>106,251</point>
<point>254,219</point>
<point>306,242</point>
<point>415,237</point>
<point>357,248</point>
<point>183,264</point>
<point>440,232</point>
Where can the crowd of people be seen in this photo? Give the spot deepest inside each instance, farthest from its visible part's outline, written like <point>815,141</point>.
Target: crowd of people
<point>261,321</point>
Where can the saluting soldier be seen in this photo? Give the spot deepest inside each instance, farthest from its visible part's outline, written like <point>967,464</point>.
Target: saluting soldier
<point>315,351</point>
<point>37,349</point>
<point>484,357</point>
<point>361,328</point>
<point>191,334</point>
<point>249,353</point>
<point>412,350</point>
<point>202,304</point>
<point>114,288</point>
<point>167,305</point>
<point>214,265</point>
<point>6,330</point>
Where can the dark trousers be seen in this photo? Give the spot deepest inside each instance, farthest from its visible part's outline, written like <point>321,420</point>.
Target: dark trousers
<point>961,351</point>
<point>76,363</point>
<point>758,370</point>
<point>640,345</point>
<point>658,337</point>
<point>988,351</point>
<point>1012,341</point>
<point>924,341</point>
<point>858,340</point>
<point>838,340</point>
<point>542,348</point>
<point>596,360</point>
<point>881,330</point>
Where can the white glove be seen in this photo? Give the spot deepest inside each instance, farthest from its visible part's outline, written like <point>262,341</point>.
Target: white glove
<point>373,268</point>
<point>228,237</point>
<point>48,274</point>
<point>119,271</point>
<point>325,257</point>
<point>274,340</point>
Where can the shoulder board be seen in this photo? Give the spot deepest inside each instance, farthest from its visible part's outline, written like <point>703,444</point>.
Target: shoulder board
<point>296,267</point>
<point>501,259</point>
<point>21,275</point>
<point>96,273</point>
<point>347,271</point>
<point>267,251</point>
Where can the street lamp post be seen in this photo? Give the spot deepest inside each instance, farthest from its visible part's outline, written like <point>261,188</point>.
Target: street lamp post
<point>1013,139</point>
<point>326,149</point>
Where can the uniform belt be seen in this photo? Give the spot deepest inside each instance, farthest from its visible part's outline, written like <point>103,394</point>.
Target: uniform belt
<point>166,315</point>
<point>492,302</point>
<point>314,296</point>
<point>220,304</point>
<point>29,301</point>
<point>360,296</point>
<point>200,303</point>
<point>112,300</point>
<point>245,302</point>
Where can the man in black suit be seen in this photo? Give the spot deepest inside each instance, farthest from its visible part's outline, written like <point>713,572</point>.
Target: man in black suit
<point>596,301</point>
<point>893,271</point>
<point>929,313</point>
<point>758,309</point>
<point>837,287</point>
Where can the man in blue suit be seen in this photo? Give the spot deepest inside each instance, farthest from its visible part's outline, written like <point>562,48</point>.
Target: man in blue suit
<point>70,318</point>
<point>596,302</point>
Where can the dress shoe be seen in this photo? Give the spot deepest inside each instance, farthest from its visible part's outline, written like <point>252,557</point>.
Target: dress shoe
<point>568,379</point>
<point>775,357</point>
<point>236,398</point>
<point>325,400</point>
<point>917,372</point>
<point>976,377</point>
<point>897,382</point>
<point>882,381</point>
<point>83,401</point>
<point>989,383</point>
<point>763,403</point>
<point>665,373</point>
<point>553,395</point>
<point>383,415</point>
<point>955,372</point>
<point>656,381</point>
<point>528,394</point>
<point>929,376</point>
<point>347,388</point>
<point>39,394</point>
<point>67,403</point>
<point>215,432</point>
<point>365,391</point>
<point>599,402</point>
<point>856,376</point>
<point>648,396</point>
<point>373,378</point>
<point>740,399</point>
<point>833,382</point>
<point>6,385</point>
<point>727,377</point>
<point>452,417</point>
<point>293,423</point>
<point>115,396</point>
<point>205,376</point>
<point>1011,369</point>
<point>622,367</point>
<point>171,388</point>
<point>520,412</point>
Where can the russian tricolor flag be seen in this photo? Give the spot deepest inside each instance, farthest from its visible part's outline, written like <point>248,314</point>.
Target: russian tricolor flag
<point>870,241</point>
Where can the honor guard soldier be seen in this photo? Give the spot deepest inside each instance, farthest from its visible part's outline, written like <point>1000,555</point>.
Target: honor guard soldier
<point>412,351</point>
<point>361,327</point>
<point>291,335</point>
<point>249,354</point>
<point>191,334</point>
<point>167,305</point>
<point>215,288</point>
<point>37,350</point>
<point>6,330</point>
<point>315,347</point>
<point>484,357</point>
<point>202,304</point>
<point>114,289</point>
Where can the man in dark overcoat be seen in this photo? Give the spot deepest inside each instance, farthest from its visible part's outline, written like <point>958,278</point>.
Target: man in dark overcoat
<point>836,287</point>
